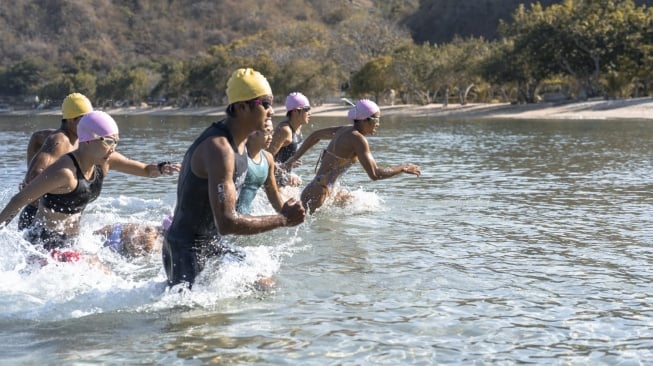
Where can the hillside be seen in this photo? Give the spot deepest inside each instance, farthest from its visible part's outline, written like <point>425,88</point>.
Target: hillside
<point>127,51</point>
<point>134,31</point>
<point>439,21</point>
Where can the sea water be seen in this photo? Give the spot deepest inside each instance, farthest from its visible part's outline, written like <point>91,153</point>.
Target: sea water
<point>522,242</point>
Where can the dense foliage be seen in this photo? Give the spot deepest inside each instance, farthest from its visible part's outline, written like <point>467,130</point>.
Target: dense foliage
<point>180,52</point>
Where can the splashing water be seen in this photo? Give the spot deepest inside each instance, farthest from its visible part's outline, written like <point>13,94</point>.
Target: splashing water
<point>105,281</point>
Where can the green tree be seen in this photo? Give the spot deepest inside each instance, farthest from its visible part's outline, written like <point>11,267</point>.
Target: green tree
<point>584,39</point>
<point>25,77</point>
<point>173,80</point>
<point>413,68</point>
<point>85,83</point>
<point>112,86</point>
<point>56,89</point>
<point>374,78</point>
<point>527,54</point>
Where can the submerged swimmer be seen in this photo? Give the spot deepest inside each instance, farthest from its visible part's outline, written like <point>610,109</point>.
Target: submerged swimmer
<point>348,145</point>
<point>133,240</point>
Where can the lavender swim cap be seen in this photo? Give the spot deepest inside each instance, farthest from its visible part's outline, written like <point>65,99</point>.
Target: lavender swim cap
<point>363,109</point>
<point>94,125</point>
<point>296,100</point>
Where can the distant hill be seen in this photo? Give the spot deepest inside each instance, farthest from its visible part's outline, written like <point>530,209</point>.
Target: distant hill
<point>72,34</point>
<point>439,21</point>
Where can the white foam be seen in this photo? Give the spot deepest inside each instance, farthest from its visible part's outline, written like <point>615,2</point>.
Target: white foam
<point>111,282</point>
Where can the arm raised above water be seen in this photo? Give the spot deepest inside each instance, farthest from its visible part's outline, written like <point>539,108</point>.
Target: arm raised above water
<point>376,172</point>
<point>311,140</point>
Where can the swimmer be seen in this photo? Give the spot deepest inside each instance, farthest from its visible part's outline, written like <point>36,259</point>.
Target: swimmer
<point>288,136</point>
<point>67,186</point>
<point>213,172</point>
<point>260,172</point>
<point>348,145</point>
<point>47,146</point>
<point>133,240</point>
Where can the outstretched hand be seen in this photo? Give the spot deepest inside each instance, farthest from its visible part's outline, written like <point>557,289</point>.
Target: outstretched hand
<point>412,169</point>
<point>294,212</point>
<point>168,168</point>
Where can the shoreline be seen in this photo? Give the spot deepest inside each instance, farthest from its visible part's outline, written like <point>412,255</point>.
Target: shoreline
<point>635,108</point>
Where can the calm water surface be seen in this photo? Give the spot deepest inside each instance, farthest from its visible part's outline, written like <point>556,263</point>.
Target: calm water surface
<point>522,242</point>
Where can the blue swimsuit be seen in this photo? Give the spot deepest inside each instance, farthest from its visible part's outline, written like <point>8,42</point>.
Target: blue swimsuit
<point>114,241</point>
<point>257,174</point>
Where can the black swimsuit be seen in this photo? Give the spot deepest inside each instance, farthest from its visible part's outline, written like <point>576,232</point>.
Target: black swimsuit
<point>286,153</point>
<point>73,202</point>
<point>26,217</point>
<point>192,236</point>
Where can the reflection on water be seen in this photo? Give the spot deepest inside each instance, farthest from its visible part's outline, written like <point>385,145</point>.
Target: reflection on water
<point>522,242</point>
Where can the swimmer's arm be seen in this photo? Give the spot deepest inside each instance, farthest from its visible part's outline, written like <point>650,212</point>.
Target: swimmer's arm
<point>216,158</point>
<point>121,163</point>
<point>373,170</point>
<point>35,143</point>
<point>310,141</point>
<point>387,172</point>
<point>271,188</point>
<point>52,179</point>
<point>53,148</point>
<point>33,146</point>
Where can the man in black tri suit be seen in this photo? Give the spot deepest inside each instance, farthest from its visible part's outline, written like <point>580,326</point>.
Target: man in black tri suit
<point>213,170</point>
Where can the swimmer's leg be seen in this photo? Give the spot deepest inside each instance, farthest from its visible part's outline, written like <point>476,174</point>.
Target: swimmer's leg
<point>180,264</point>
<point>313,196</point>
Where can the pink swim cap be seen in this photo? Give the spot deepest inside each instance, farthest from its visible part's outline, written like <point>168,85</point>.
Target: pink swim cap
<point>94,125</point>
<point>167,222</point>
<point>363,109</point>
<point>296,100</point>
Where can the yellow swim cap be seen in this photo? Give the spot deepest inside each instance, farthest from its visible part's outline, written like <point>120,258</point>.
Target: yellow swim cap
<point>75,105</point>
<point>247,84</point>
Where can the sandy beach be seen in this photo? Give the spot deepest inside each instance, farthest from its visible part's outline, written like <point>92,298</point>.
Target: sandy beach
<point>636,108</point>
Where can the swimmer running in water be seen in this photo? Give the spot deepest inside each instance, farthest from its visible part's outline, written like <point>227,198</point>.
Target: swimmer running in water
<point>213,171</point>
<point>47,146</point>
<point>260,172</point>
<point>348,145</point>
<point>288,136</point>
<point>66,187</point>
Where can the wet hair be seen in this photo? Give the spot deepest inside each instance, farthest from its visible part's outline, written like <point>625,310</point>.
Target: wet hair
<point>231,110</point>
